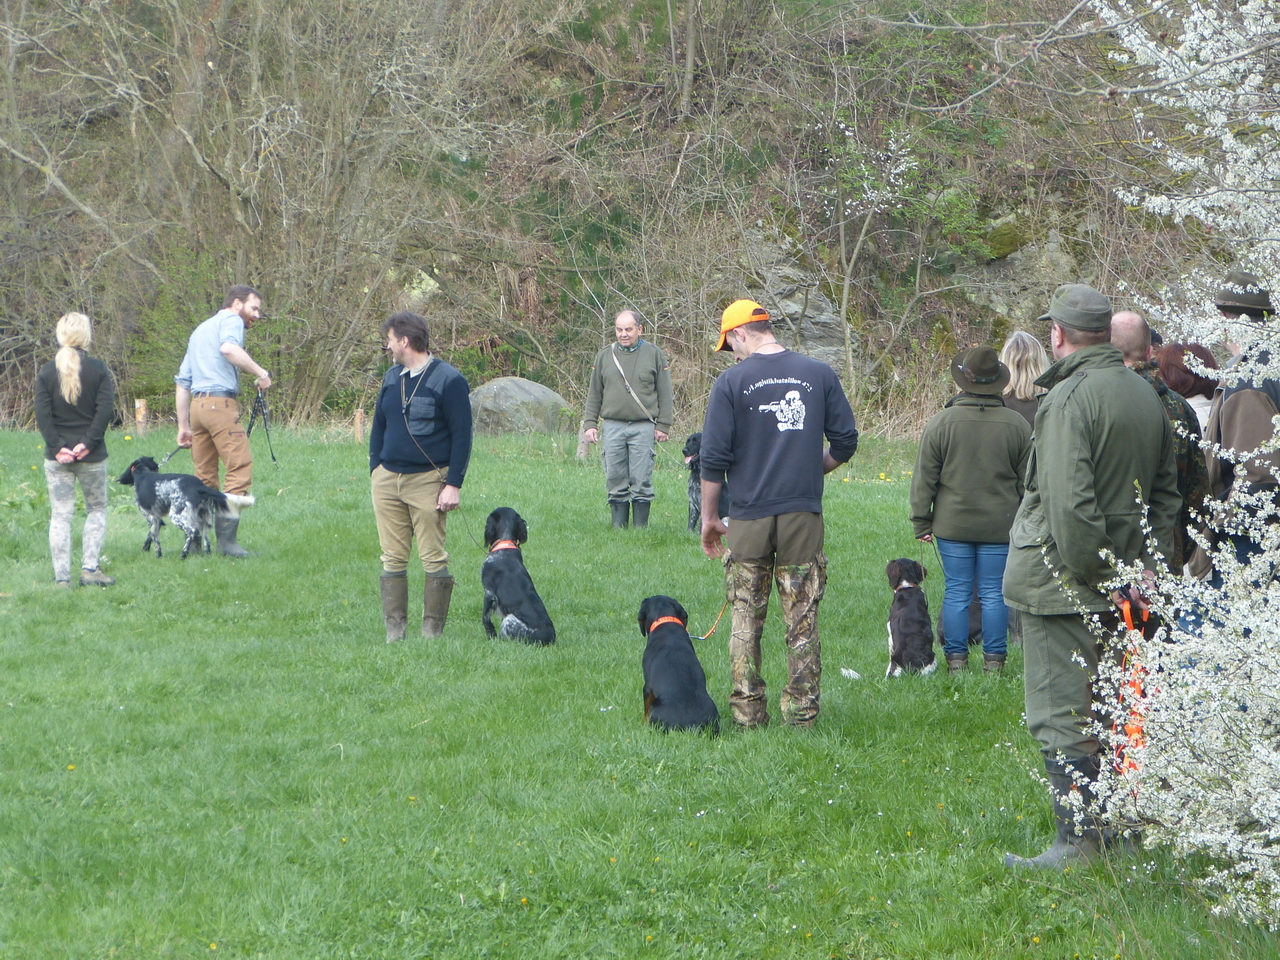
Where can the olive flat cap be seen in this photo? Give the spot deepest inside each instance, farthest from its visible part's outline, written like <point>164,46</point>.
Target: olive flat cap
<point>1080,306</point>
<point>1243,291</point>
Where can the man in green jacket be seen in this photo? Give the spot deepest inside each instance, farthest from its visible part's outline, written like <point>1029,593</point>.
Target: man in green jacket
<point>631,391</point>
<point>1100,430</point>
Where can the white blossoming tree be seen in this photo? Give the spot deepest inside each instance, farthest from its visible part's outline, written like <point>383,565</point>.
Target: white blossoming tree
<point>1199,729</point>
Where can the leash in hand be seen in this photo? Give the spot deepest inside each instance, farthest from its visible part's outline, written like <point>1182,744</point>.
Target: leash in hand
<point>260,409</point>
<point>169,457</point>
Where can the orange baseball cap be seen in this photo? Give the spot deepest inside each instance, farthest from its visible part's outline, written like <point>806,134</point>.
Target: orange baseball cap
<point>738,313</point>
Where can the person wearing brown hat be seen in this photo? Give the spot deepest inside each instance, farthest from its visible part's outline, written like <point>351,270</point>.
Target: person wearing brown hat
<point>1099,430</point>
<point>965,489</point>
<point>1241,416</point>
<point>764,428</point>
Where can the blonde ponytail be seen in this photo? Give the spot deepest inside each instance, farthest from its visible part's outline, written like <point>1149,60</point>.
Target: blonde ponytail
<point>75,333</point>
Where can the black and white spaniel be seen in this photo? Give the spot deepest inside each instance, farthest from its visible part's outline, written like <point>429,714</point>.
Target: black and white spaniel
<point>508,588</point>
<point>183,499</point>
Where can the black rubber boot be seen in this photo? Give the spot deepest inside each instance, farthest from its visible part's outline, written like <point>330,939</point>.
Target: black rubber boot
<point>619,509</point>
<point>226,528</point>
<point>395,604</point>
<point>640,512</point>
<point>1078,833</point>
<point>436,594</point>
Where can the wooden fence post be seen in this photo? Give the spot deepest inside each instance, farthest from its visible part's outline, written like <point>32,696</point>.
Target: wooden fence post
<point>360,425</point>
<point>140,415</point>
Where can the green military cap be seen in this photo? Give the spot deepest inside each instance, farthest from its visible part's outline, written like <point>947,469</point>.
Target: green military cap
<point>1243,291</point>
<point>1080,306</point>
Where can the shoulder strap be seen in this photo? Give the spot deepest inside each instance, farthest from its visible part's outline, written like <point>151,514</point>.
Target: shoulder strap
<point>627,383</point>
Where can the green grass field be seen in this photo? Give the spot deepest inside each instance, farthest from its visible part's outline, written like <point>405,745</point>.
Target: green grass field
<point>218,758</point>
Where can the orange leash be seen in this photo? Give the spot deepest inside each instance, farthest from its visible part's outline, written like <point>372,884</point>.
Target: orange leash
<point>1135,735</point>
<point>716,624</point>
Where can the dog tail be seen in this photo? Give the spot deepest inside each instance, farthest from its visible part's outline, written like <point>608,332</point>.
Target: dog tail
<point>234,502</point>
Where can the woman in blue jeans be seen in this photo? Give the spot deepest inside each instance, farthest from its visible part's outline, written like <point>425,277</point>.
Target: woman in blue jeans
<point>964,492</point>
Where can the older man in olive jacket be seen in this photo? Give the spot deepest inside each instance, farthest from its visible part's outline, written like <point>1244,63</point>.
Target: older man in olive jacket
<point>1100,430</point>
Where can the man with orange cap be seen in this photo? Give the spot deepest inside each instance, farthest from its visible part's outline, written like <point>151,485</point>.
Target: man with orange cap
<point>764,428</point>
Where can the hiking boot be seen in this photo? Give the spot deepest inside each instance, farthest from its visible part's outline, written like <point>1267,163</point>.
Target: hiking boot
<point>993,664</point>
<point>640,513</point>
<point>62,584</point>
<point>619,510</point>
<point>92,578</point>
<point>958,664</point>
<point>395,604</point>
<point>436,594</point>
<point>226,528</point>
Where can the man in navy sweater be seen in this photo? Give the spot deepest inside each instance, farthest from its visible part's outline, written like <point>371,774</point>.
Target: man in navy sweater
<point>418,452</point>
<point>764,428</point>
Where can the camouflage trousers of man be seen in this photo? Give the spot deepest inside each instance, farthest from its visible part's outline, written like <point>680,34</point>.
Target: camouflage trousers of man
<point>61,478</point>
<point>800,588</point>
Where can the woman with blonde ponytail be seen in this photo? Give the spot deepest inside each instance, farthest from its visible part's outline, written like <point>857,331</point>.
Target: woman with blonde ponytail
<point>75,396</point>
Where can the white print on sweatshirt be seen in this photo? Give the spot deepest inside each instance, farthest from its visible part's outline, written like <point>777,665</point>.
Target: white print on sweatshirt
<point>789,411</point>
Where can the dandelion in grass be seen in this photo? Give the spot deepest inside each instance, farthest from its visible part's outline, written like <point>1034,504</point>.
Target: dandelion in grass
<point>71,766</point>
<point>127,437</point>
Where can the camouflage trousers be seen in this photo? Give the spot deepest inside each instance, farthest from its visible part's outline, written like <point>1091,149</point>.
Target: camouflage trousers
<point>800,588</point>
<point>61,478</point>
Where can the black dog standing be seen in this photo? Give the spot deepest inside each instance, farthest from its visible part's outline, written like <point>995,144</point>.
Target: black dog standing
<point>675,686</point>
<point>508,588</point>
<point>693,458</point>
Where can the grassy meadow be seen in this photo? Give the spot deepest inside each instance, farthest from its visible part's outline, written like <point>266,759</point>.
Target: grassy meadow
<point>219,758</point>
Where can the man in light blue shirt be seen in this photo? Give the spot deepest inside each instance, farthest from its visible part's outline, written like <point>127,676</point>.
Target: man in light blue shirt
<point>208,413</point>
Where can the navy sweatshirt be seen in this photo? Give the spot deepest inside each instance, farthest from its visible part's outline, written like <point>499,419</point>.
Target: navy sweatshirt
<point>764,428</point>
<point>430,428</point>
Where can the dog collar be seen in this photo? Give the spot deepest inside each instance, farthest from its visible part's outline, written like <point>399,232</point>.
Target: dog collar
<point>661,620</point>
<point>904,584</point>
<point>504,545</point>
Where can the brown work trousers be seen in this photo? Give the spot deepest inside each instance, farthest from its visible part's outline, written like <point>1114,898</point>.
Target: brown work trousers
<point>216,432</point>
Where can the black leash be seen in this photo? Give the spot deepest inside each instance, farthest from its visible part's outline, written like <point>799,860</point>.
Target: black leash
<point>260,408</point>
<point>169,457</point>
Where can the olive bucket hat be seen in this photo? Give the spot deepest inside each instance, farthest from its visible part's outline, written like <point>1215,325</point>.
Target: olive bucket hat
<point>1080,306</point>
<point>1243,292</point>
<point>980,371</point>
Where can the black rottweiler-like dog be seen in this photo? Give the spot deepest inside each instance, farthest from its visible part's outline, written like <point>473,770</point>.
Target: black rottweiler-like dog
<point>675,687</point>
<point>508,588</point>
<point>910,631</point>
<point>693,458</point>
<point>183,499</point>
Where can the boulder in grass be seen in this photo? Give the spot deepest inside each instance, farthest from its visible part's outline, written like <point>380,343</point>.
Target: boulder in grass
<point>517,405</point>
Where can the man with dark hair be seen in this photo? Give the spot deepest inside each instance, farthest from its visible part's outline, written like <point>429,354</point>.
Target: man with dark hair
<point>630,390</point>
<point>1241,418</point>
<point>764,428</point>
<point>208,412</point>
<point>1099,430</point>
<point>419,448</point>
<point>1134,339</point>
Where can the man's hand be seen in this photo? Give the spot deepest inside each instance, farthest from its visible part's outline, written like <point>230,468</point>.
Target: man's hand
<point>925,538</point>
<point>1136,593</point>
<point>713,529</point>
<point>263,382</point>
<point>660,436</point>
<point>591,435</point>
<point>184,436</point>
<point>448,499</point>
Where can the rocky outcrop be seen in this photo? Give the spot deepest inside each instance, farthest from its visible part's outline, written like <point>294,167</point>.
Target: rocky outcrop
<point>516,405</point>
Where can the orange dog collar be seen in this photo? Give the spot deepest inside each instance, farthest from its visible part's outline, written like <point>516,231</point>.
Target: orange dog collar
<point>505,545</point>
<point>661,620</point>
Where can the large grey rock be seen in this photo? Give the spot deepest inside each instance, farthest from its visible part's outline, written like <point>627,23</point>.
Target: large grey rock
<point>517,405</point>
